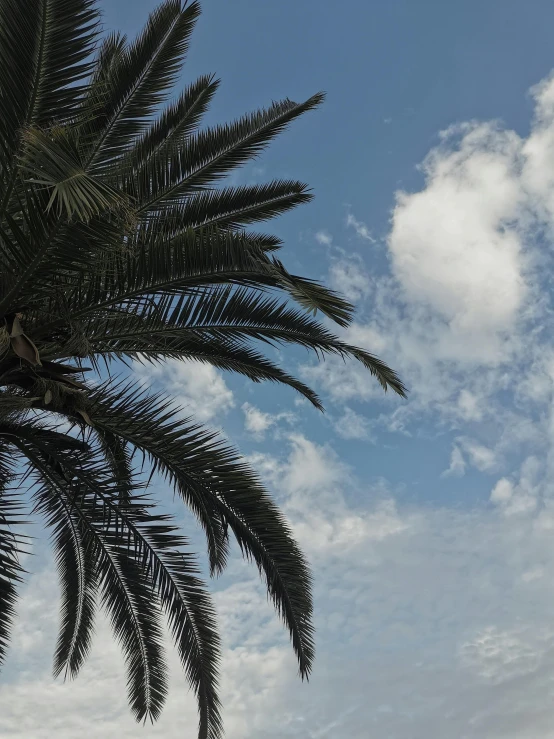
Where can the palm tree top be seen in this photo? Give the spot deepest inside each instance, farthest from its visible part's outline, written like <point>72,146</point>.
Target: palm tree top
<point>120,241</point>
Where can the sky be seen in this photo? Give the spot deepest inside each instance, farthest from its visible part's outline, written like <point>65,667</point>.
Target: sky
<point>429,522</point>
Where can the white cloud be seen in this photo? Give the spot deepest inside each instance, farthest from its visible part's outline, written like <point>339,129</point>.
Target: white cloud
<point>523,497</point>
<point>469,405</point>
<point>312,479</point>
<point>349,277</point>
<point>457,466</point>
<point>451,244</point>
<point>310,467</point>
<point>324,238</point>
<point>352,425</point>
<point>480,456</point>
<point>198,389</point>
<point>464,315</point>
<point>256,422</point>
<point>502,491</point>
<point>359,227</point>
<point>499,656</point>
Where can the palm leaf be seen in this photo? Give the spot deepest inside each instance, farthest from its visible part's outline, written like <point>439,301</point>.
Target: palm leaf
<point>230,493</point>
<point>126,595</point>
<point>192,260</point>
<point>136,553</point>
<point>139,79</point>
<point>230,356</point>
<point>12,545</point>
<point>176,122</point>
<point>77,576</point>
<point>212,154</point>
<point>116,244</point>
<point>237,206</point>
<point>51,160</point>
<point>45,48</point>
<point>215,324</point>
<point>116,453</point>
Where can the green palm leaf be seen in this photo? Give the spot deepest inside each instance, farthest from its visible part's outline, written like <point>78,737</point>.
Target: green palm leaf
<point>12,546</point>
<point>212,154</point>
<point>190,261</point>
<point>176,122</point>
<point>78,581</point>
<point>139,78</point>
<point>117,245</point>
<point>52,160</point>
<point>135,553</point>
<point>236,207</point>
<point>45,49</point>
<point>229,494</point>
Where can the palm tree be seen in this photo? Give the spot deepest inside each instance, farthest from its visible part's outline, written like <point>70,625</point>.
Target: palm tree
<point>116,246</point>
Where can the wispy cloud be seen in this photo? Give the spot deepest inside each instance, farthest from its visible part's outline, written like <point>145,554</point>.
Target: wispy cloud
<point>359,227</point>
<point>457,466</point>
<point>324,238</point>
<point>352,425</point>
<point>257,423</point>
<point>348,276</point>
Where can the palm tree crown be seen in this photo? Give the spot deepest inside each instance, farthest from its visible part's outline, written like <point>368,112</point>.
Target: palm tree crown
<point>115,244</point>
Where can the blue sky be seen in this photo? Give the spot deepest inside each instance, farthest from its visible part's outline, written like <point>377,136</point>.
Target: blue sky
<point>428,521</point>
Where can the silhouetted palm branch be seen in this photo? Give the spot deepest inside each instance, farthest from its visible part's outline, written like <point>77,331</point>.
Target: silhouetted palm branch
<point>115,244</point>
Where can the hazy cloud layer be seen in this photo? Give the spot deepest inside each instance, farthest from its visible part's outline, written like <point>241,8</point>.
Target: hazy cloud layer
<point>430,623</point>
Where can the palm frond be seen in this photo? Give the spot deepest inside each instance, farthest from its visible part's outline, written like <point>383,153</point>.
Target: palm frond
<point>45,49</point>
<point>214,324</point>
<point>137,554</point>
<point>235,207</point>
<point>175,123</point>
<point>116,453</point>
<point>51,160</point>
<point>218,486</point>
<point>12,546</point>
<point>213,153</point>
<point>266,242</point>
<point>138,81</point>
<point>312,295</point>
<point>192,260</point>
<point>20,28</point>
<point>228,356</point>
<point>125,593</point>
<point>78,582</point>
<point>69,29</point>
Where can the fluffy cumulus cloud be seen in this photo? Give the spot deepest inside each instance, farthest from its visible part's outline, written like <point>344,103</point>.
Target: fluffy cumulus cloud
<point>467,250</point>
<point>256,421</point>
<point>465,311</point>
<point>453,251</point>
<point>199,390</point>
